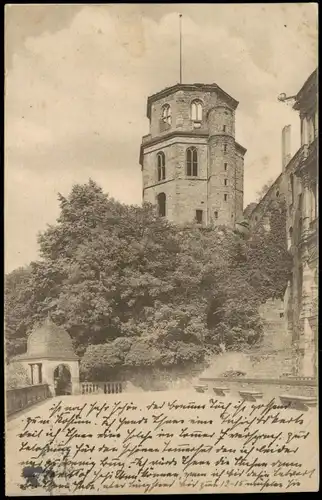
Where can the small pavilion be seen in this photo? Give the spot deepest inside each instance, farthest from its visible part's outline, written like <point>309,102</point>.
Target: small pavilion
<point>50,359</point>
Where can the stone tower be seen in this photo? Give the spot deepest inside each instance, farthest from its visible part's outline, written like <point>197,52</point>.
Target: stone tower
<point>192,167</point>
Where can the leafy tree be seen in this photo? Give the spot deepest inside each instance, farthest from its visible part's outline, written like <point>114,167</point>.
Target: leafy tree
<point>137,292</point>
<point>17,294</point>
<point>269,262</point>
<point>16,376</point>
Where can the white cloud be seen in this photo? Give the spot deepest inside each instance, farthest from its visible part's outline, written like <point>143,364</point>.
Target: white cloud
<point>76,98</point>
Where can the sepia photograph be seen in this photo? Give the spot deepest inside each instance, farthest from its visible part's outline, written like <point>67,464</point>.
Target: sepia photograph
<point>161,248</point>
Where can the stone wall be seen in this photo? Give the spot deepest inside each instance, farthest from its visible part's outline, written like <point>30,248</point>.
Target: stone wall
<point>222,180</point>
<point>184,195</point>
<point>180,102</point>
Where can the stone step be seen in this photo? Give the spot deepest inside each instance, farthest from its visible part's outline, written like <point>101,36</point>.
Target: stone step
<point>295,402</point>
<point>221,391</point>
<point>251,395</point>
<point>201,388</point>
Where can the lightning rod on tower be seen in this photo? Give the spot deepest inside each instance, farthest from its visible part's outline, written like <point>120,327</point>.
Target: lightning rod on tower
<point>180,40</point>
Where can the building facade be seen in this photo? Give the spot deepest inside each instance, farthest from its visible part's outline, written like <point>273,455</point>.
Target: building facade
<point>192,166</point>
<point>297,186</point>
<point>302,230</point>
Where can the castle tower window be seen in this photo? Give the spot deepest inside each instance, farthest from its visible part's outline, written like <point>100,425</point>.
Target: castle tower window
<point>161,166</point>
<point>225,166</point>
<point>196,111</point>
<point>199,216</point>
<point>166,118</point>
<point>161,199</point>
<point>225,197</point>
<point>225,148</point>
<point>224,128</point>
<point>216,215</point>
<point>192,162</point>
<point>226,182</point>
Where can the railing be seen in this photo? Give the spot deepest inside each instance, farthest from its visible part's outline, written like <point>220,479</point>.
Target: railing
<point>271,388</point>
<point>289,380</point>
<point>23,397</point>
<point>102,387</point>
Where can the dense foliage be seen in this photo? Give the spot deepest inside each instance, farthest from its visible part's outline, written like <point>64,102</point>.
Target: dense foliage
<point>136,292</point>
<point>16,376</point>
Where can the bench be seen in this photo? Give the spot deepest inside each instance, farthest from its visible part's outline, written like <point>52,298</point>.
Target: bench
<point>201,388</point>
<point>220,391</point>
<point>251,395</point>
<point>302,403</point>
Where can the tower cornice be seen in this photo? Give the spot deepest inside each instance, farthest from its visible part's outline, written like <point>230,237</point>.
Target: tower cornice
<point>184,133</point>
<point>203,87</point>
<point>170,135</point>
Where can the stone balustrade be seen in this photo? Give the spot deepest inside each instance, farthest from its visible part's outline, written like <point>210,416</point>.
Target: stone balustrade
<point>23,397</point>
<point>271,388</point>
<point>102,387</point>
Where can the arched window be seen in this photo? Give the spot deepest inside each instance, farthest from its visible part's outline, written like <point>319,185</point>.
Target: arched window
<point>166,114</point>
<point>161,199</point>
<point>192,162</point>
<point>161,165</point>
<point>196,111</point>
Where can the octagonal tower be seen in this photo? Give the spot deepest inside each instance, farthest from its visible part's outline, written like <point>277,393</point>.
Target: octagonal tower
<point>192,167</point>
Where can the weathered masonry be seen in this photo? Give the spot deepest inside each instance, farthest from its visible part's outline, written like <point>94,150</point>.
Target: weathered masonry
<point>192,166</point>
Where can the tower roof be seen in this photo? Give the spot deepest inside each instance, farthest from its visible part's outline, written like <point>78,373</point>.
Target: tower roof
<point>49,341</point>
<point>205,87</point>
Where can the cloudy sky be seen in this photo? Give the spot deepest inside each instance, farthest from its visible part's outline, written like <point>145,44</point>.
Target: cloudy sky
<point>77,80</point>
